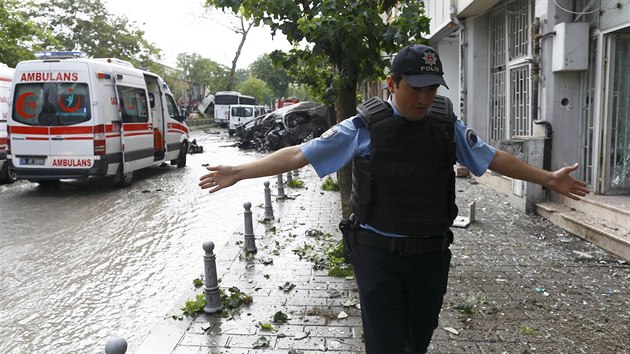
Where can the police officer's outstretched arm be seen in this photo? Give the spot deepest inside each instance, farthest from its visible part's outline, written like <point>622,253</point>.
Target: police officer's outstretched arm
<point>283,160</point>
<point>558,181</point>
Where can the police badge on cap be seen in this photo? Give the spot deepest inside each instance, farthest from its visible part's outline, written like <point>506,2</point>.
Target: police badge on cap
<point>419,65</point>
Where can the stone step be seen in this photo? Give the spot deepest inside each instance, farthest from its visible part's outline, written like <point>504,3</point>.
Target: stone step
<point>591,225</point>
<point>612,209</point>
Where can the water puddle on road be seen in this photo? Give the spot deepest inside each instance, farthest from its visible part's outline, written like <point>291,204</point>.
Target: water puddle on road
<point>84,261</point>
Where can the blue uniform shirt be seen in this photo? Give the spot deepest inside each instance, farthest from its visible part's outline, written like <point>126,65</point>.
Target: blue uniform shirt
<point>344,141</point>
<point>347,140</point>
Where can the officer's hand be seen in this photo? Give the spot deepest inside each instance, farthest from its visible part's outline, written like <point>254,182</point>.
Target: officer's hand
<point>218,178</point>
<point>561,182</point>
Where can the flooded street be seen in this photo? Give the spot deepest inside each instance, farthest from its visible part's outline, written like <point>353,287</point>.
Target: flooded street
<point>84,261</point>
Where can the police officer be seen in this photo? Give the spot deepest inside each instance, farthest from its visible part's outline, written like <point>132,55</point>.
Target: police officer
<point>403,195</point>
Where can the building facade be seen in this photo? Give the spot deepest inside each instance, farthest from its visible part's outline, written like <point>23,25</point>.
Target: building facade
<point>547,80</point>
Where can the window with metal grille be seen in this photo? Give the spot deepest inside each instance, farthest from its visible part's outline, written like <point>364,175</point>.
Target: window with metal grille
<point>510,70</point>
<point>518,28</point>
<point>520,122</point>
<point>588,123</point>
<point>497,75</point>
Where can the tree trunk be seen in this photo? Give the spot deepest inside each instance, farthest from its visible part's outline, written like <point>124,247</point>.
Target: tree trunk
<point>346,107</point>
<point>243,32</point>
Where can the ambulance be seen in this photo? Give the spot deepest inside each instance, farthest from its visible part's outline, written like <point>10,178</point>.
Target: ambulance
<point>6,77</point>
<point>74,117</point>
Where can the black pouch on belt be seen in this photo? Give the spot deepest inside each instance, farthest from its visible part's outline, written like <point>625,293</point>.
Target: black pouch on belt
<point>348,229</point>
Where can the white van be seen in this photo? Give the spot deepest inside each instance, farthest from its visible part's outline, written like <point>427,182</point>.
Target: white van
<point>239,114</point>
<point>73,117</point>
<point>6,77</point>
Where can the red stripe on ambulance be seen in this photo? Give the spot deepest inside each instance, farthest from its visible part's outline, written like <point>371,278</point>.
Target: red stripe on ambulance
<point>71,130</point>
<point>18,129</point>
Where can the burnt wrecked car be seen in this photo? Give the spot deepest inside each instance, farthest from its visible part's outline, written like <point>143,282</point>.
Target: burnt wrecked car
<point>283,127</point>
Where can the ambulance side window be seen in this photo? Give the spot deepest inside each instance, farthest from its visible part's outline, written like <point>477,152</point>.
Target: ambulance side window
<point>173,112</point>
<point>133,104</point>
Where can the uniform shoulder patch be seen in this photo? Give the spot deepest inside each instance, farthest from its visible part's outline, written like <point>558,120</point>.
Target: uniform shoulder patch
<point>471,137</point>
<point>330,132</point>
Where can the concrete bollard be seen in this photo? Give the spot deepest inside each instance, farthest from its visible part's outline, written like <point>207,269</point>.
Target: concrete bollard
<point>213,298</point>
<point>289,177</point>
<point>268,207</point>
<point>281,187</point>
<point>250,242</point>
<point>116,345</point>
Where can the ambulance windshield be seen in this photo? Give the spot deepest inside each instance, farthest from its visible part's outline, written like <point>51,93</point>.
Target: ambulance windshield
<point>51,104</point>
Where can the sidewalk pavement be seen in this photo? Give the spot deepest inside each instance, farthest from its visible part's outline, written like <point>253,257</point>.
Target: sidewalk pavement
<point>518,284</point>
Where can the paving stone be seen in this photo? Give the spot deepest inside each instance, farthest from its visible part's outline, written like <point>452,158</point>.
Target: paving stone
<point>308,343</point>
<point>249,341</point>
<point>329,331</point>
<point>193,339</point>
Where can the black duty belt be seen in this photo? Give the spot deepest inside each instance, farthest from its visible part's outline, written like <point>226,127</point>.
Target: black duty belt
<point>405,245</point>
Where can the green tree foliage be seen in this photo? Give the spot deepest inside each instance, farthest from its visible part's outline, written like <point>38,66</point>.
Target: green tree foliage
<point>203,71</point>
<point>347,37</point>
<point>88,26</point>
<point>275,76</point>
<point>257,88</point>
<point>19,35</point>
<point>240,75</point>
<point>317,79</point>
<point>175,80</point>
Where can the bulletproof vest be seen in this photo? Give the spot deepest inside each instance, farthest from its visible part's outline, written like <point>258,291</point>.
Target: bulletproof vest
<point>407,184</point>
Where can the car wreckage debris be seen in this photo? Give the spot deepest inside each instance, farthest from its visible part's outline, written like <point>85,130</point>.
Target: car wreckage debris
<point>194,148</point>
<point>284,127</point>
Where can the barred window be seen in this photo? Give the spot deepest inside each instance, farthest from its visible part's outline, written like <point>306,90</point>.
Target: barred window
<point>510,70</point>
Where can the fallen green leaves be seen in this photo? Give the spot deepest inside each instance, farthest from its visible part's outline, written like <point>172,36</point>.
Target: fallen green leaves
<point>265,326</point>
<point>231,302</point>
<point>235,299</point>
<point>280,317</point>
<point>195,305</point>
<point>261,342</point>
<point>295,183</point>
<point>287,286</point>
<point>330,184</point>
<point>475,302</point>
<point>332,258</point>
<point>528,330</point>
<point>465,309</point>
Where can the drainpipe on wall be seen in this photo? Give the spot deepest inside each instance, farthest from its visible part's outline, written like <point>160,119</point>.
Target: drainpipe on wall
<point>537,36</point>
<point>456,25</point>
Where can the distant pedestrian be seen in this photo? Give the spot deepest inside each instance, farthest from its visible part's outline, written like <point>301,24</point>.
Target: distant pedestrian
<point>403,195</point>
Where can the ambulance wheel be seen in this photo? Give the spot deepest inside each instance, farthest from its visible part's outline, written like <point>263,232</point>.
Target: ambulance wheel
<point>7,175</point>
<point>183,153</point>
<point>122,179</point>
<point>11,176</point>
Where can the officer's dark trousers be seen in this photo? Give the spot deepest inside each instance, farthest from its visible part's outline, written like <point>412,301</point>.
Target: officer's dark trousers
<point>401,297</point>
